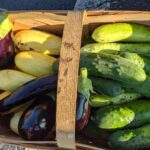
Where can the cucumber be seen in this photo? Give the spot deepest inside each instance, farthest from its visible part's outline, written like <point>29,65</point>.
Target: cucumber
<point>114,48</point>
<point>106,86</point>
<point>112,67</point>
<point>93,132</point>
<point>133,57</point>
<point>131,139</point>
<point>147,64</point>
<point>129,115</point>
<point>124,32</point>
<point>102,100</point>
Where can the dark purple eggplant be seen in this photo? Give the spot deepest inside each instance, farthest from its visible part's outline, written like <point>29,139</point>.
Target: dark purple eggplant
<point>83,112</point>
<point>35,121</point>
<point>28,91</point>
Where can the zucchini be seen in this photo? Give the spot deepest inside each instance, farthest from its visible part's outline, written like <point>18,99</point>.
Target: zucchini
<point>114,48</point>
<point>35,63</point>
<point>129,115</point>
<point>38,41</point>
<point>102,100</point>
<point>132,139</point>
<point>122,32</point>
<point>112,67</point>
<point>106,86</point>
<point>10,79</point>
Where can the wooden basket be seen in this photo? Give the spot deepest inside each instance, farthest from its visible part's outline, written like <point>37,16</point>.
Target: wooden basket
<point>75,27</point>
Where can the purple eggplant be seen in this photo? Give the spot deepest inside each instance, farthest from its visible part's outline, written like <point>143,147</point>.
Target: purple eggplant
<point>83,112</point>
<point>28,91</point>
<point>35,121</point>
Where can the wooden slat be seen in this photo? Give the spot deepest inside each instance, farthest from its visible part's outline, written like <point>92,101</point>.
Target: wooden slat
<point>67,80</point>
<point>119,17</point>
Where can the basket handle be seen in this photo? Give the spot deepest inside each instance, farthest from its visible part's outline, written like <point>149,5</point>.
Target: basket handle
<point>68,79</point>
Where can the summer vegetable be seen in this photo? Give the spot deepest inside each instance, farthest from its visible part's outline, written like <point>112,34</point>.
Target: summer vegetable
<point>132,139</point>
<point>112,67</point>
<point>38,41</point>
<point>129,115</point>
<point>122,32</point>
<point>27,91</point>
<point>35,63</point>
<point>115,48</point>
<point>35,121</point>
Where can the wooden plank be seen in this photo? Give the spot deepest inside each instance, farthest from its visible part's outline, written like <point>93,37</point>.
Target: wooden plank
<point>32,15</point>
<point>119,17</point>
<point>67,80</point>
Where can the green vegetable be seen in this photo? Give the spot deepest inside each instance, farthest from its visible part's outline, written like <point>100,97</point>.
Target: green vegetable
<point>133,57</point>
<point>131,115</point>
<point>94,132</point>
<point>112,67</point>
<point>147,64</point>
<point>106,86</point>
<point>102,100</point>
<point>114,48</point>
<point>124,32</point>
<point>85,84</point>
<point>131,139</point>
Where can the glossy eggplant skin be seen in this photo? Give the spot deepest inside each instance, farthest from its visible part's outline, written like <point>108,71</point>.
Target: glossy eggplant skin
<point>83,112</point>
<point>27,92</point>
<point>38,119</point>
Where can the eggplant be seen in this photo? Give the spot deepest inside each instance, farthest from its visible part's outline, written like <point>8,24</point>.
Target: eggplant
<point>28,91</point>
<point>36,120</point>
<point>83,112</point>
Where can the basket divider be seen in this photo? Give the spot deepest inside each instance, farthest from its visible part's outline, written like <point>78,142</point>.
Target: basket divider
<point>68,79</point>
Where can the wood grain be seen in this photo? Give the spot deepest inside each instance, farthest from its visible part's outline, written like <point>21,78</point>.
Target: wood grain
<point>67,80</point>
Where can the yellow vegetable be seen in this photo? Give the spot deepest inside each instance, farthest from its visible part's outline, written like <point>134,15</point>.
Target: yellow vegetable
<point>39,41</point>
<point>10,80</point>
<point>35,63</point>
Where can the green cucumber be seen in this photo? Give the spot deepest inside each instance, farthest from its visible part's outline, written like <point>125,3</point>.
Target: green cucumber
<point>93,132</point>
<point>133,57</point>
<point>122,32</point>
<point>112,67</point>
<point>114,48</point>
<point>129,115</point>
<point>131,139</point>
<point>106,86</point>
<point>102,100</point>
<point>147,64</point>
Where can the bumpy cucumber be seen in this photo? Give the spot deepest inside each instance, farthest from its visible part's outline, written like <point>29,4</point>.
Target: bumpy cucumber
<point>114,48</point>
<point>131,139</point>
<point>112,67</point>
<point>106,86</point>
<point>125,32</point>
<point>133,57</point>
<point>102,100</point>
<point>130,115</point>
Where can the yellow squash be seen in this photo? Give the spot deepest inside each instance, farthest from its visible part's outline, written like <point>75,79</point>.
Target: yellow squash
<point>10,79</point>
<point>35,63</point>
<point>38,41</point>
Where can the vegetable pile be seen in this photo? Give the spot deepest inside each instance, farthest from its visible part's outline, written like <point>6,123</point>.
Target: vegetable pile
<point>118,66</point>
<point>113,105</point>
